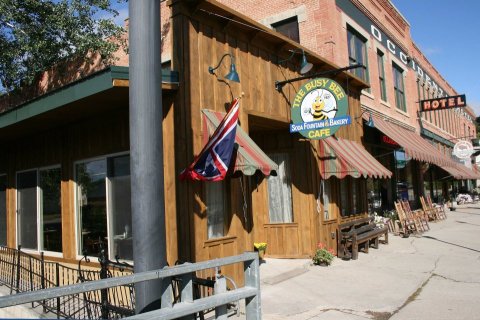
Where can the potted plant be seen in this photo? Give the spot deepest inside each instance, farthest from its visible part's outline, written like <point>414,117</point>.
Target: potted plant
<point>323,256</point>
<point>260,247</point>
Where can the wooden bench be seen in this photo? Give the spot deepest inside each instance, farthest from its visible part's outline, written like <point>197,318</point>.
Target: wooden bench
<point>356,233</point>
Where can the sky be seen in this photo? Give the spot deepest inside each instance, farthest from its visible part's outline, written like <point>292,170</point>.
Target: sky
<point>448,34</point>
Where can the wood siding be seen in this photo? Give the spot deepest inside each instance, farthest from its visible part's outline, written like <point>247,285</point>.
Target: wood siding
<point>199,41</point>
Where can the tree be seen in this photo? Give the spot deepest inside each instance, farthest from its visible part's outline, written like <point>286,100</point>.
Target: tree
<point>38,34</point>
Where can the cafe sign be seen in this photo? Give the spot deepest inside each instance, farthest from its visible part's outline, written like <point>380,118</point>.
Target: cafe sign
<point>319,109</point>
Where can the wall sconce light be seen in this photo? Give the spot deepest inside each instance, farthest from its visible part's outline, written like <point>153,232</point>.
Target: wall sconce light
<point>232,75</point>
<point>305,66</point>
<point>370,122</point>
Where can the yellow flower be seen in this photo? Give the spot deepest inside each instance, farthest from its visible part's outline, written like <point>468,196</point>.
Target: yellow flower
<point>260,245</point>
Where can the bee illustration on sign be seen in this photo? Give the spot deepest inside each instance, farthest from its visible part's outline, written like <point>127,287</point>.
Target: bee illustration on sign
<point>319,109</point>
<point>319,105</point>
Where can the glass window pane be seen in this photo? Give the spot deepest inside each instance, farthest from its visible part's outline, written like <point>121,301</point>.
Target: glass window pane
<point>327,199</point>
<point>91,201</point>
<point>27,209</point>
<point>120,217</point>
<point>216,208</point>
<point>344,205</point>
<point>288,28</point>
<point>50,209</point>
<point>280,191</point>
<point>3,210</point>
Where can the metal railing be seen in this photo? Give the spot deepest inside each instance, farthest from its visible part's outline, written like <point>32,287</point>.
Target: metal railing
<point>22,272</point>
<point>176,300</point>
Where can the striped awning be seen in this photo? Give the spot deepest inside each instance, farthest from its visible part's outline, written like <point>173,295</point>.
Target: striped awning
<point>464,172</point>
<point>340,157</point>
<point>414,145</point>
<point>249,157</point>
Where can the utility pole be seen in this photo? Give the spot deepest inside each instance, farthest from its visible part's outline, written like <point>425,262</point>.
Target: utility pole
<point>146,149</point>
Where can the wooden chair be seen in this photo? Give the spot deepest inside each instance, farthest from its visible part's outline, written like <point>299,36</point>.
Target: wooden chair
<point>429,211</point>
<point>421,222</point>
<point>438,208</point>
<point>407,224</point>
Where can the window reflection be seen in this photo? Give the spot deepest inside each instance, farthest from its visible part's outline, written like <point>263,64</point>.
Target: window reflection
<point>50,210</point>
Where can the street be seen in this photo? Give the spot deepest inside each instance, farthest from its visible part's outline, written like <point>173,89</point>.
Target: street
<point>435,275</point>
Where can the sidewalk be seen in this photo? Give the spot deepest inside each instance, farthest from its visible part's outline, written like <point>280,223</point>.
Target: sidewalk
<point>435,275</point>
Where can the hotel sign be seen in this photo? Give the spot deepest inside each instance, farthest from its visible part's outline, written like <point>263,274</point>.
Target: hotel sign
<point>443,103</point>
<point>319,109</point>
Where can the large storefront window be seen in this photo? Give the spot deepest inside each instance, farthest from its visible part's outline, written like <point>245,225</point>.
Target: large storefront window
<point>101,218</point>
<point>280,190</point>
<point>39,225</point>
<point>3,210</point>
<point>216,209</point>
<point>403,167</point>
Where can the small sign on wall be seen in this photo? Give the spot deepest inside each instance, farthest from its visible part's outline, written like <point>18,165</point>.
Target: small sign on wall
<point>319,109</point>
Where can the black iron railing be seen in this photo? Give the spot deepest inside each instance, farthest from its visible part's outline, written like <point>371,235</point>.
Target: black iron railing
<point>22,272</point>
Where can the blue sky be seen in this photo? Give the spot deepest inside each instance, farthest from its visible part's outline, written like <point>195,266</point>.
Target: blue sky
<point>448,33</point>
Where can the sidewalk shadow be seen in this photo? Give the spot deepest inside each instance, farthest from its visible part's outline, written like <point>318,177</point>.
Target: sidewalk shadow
<point>453,244</point>
<point>477,214</point>
<point>473,224</point>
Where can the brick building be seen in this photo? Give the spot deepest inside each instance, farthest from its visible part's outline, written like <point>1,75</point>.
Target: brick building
<point>377,35</point>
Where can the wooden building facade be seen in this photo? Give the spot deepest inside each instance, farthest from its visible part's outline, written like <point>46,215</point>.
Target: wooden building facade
<point>66,160</point>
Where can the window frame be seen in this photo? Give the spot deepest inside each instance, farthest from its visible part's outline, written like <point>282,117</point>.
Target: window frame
<point>38,209</point>
<point>355,38</point>
<point>293,20</point>
<point>288,193</point>
<point>226,207</point>
<point>398,79</point>
<point>78,226</point>
<point>350,189</point>
<point>381,75</point>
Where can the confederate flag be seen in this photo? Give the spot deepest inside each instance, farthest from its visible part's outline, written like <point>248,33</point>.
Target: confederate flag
<point>214,160</point>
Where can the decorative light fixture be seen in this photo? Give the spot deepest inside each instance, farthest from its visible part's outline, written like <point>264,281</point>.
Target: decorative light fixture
<point>305,66</point>
<point>232,75</point>
<point>370,122</point>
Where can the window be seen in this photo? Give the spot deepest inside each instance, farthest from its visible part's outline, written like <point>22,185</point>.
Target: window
<point>3,210</point>
<point>328,213</point>
<point>288,28</point>
<point>280,191</point>
<point>104,207</point>
<point>39,224</point>
<point>381,75</point>
<point>49,181</point>
<point>216,208</point>
<point>398,87</point>
<point>352,193</point>
<point>357,53</point>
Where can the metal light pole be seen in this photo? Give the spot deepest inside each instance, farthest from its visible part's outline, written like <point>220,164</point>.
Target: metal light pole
<point>146,148</point>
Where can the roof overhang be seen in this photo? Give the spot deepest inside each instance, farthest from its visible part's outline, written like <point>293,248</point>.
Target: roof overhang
<point>102,91</point>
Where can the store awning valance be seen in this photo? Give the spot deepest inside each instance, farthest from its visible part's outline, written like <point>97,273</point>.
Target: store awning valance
<point>414,145</point>
<point>340,157</point>
<point>465,172</point>
<point>249,157</point>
